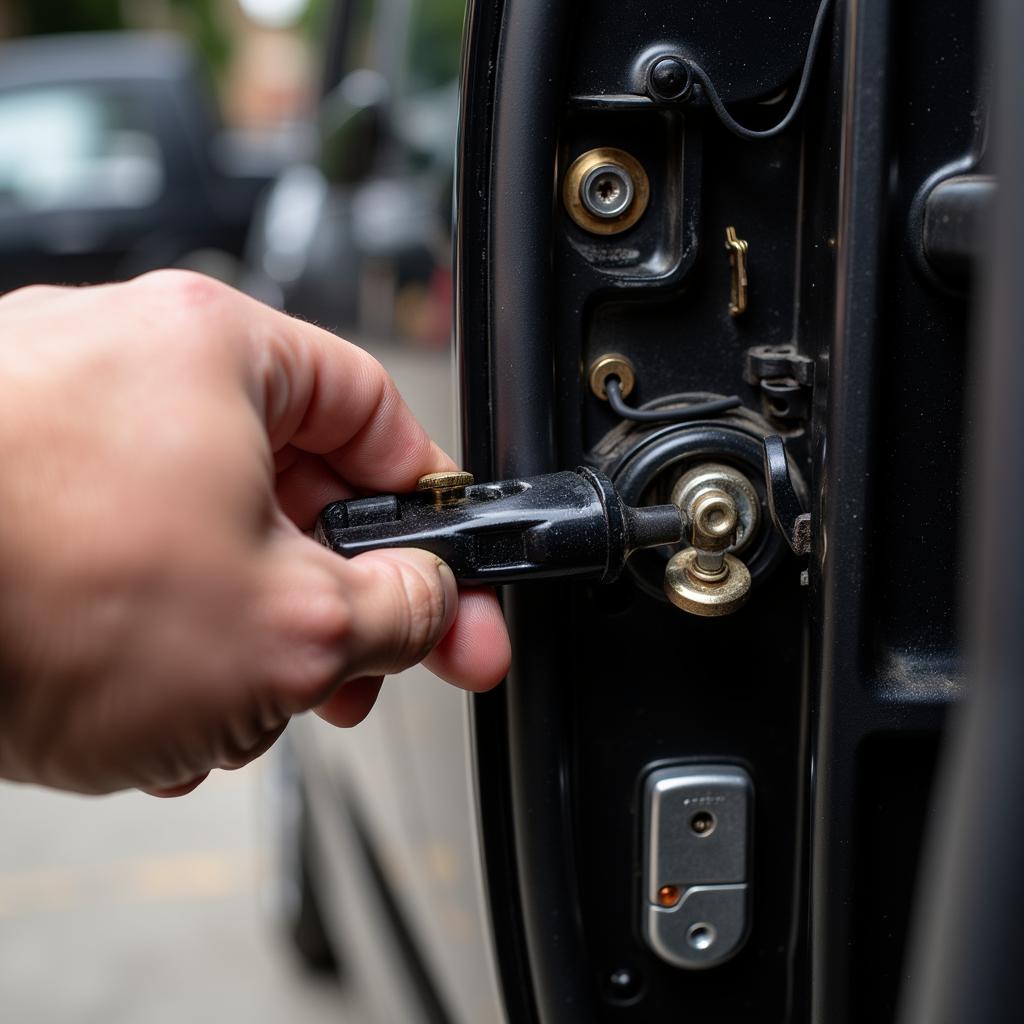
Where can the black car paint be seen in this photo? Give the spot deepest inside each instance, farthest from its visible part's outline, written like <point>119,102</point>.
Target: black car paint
<point>837,714</point>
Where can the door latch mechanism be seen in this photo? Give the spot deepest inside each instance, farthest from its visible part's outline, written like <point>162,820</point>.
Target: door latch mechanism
<point>570,524</point>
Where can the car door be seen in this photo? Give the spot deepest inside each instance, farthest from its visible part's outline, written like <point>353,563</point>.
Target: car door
<point>717,811</point>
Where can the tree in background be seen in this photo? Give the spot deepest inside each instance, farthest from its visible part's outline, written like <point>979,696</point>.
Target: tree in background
<point>209,23</point>
<point>202,20</point>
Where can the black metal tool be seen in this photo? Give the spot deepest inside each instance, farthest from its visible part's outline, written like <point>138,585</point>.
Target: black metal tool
<point>567,524</point>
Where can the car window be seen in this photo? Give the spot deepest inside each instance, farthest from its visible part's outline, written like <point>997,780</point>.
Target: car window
<point>72,148</point>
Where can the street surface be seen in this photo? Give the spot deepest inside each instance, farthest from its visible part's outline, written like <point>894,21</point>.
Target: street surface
<point>132,910</point>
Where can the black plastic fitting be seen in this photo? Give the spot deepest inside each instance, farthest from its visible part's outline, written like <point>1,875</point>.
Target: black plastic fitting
<point>567,524</point>
<point>670,78</point>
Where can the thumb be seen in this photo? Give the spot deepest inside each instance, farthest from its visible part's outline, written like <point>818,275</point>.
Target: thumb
<point>403,601</point>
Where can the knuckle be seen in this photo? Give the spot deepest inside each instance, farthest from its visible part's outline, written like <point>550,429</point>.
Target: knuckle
<point>186,290</point>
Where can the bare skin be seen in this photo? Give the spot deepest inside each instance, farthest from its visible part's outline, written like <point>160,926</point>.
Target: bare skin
<point>165,445</point>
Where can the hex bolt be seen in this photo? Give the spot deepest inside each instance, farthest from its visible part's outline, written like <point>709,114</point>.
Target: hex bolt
<point>607,190</point>
<point>670,78</point>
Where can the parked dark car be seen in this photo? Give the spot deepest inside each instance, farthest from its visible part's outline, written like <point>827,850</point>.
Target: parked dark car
<point>113,161</point>
<point>709,790</point>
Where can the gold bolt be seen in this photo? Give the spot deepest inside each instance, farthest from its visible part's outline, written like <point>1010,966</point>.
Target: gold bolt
<point>445,487</point>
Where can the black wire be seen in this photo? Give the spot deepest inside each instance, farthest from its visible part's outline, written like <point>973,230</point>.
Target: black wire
<point>613,389</point>
<point>805,77</point>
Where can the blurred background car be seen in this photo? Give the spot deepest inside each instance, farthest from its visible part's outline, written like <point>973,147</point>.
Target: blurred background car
<point>113,161</point>
<point>343,876</point>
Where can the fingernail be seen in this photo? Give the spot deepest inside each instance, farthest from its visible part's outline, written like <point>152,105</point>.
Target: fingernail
<point>450,589</point>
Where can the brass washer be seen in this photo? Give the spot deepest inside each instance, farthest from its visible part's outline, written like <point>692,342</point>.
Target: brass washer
<point>611,365</point>
<point>721,597</point>
<point>576,175</point>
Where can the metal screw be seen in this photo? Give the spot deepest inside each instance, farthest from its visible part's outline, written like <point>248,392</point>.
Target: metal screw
<point>670,79</point>
<point>607,191</point>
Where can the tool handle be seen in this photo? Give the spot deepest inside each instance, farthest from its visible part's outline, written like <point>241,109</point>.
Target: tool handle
<point>566,524</point>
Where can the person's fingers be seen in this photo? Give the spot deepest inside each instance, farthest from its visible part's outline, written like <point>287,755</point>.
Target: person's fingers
<point>475,653</point>
<point>402,602</point>
<point>312,389</point>
<point>330,398</point>
<point>183,790</point>
<point>351,702</point>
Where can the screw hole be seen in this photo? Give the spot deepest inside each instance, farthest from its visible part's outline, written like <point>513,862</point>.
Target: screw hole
<point>703,823</point>
<point>701,936</point>
<point>779,407</point>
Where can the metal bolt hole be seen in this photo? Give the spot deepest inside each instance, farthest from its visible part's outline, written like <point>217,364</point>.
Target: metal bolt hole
<point>701,936</point>
<point>703,823</point>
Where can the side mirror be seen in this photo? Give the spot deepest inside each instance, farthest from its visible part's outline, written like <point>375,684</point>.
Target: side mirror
<point>354,126</point>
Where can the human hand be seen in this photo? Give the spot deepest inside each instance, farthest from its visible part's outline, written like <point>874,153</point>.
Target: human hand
<point>163,445</point>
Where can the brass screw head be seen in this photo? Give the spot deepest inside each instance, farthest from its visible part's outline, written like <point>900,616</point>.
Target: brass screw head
<point>445,486</point>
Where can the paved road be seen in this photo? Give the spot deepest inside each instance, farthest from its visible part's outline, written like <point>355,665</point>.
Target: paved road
<point>131,910</point>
